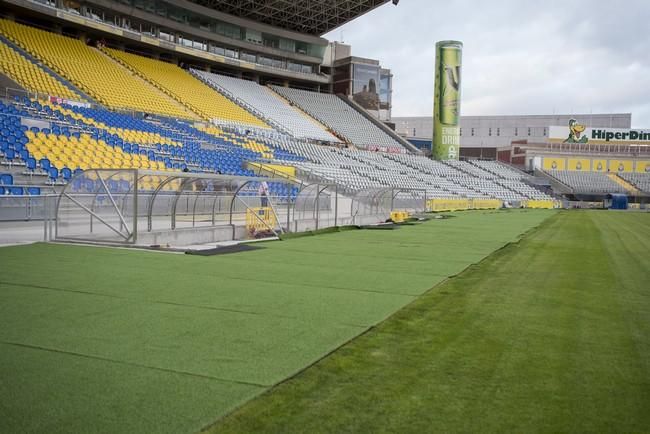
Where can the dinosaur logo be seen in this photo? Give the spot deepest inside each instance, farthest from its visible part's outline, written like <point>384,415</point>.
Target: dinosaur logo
<point>575,132</point>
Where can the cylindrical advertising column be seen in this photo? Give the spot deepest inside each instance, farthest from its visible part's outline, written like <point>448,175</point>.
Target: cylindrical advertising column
<point>446,101</point>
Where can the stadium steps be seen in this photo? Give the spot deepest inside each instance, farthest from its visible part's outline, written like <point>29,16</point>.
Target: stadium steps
<point>516,169</point>
<point>7,82</point>
<point>623,183</point>
<point>83,96</point>
<point>302,112</point>
<point>523,174</point>
<point>112,86</point>
<point>137,75</point>
<point>239,102</point>
<point>186,89</point>
<point>309,117</point>
<point>392,134</point>
<point>495,179</point>
<point>140,76</point>
<point>556,184</point>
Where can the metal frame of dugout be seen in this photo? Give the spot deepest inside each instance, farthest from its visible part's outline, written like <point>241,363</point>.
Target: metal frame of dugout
<point>370,205</point>
<point>144,207</point>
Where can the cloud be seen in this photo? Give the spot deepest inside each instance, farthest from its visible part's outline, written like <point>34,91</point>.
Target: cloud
<point>520,57</point>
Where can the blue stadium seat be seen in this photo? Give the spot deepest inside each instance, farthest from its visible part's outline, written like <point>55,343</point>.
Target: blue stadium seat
<point>30,163</point>
<point>53,173</point>
<point>66,174</point>
<point>6,179</point>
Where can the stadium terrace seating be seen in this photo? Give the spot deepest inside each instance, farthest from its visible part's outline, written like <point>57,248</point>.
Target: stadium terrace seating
<point>31,76</point>
<point>340,117</point>
<point>470,169</point>
<point>93,72</point>
<point>130,135</point>
<point>83,138</point>
<point>253,145</point>
<point>487,185</point>
<point>499,169</point>
<point>505,187</point>
<point>224,152</point>
<point>12,138</point>
<point>354,170</point>
<point>82,151</point>
<point>269,105</point>
<point>587,182</point>
<point>186,89</point>
<point>638,180</point>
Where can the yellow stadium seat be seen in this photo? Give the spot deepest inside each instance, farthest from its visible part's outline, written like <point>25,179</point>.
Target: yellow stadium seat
<point>260,148</point>
<point>31,76</point>
<point>114,87</point>
<point>187,89</point>
<point>86,153</point>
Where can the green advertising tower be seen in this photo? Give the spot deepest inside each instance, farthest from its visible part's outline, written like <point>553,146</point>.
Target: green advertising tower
<point>446,101</point>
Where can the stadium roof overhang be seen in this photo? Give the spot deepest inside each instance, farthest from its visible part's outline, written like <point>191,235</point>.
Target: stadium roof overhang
<point>313,17</point>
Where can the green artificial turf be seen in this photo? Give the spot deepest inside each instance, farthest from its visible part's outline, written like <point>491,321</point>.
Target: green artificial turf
<point>117,340</point>
<point>551,334</point>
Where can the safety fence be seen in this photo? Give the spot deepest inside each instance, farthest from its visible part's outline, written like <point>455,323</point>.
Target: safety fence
<point>259,220</point>
<point>541,204</point>
<point>461,204</point>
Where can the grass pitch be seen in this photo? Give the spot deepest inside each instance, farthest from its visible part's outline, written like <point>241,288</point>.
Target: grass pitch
<point>114,340</point>
<point>551,334</point>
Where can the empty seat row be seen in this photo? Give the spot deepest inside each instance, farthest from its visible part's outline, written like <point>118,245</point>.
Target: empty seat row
<point>340,117</point>
<point>269,105</point>
<point>588,182</point>
<point>92,71</point>
<point>30,76</point>
<point>186,89</point>
<point>638,180</point>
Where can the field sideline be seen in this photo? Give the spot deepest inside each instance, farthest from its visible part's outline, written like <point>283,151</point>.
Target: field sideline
<point>551,334</point>
<point>115,340</point>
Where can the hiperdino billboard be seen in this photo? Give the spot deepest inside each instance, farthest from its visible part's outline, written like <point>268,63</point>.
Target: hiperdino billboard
<point>446,100</point>
<point>576,132</point>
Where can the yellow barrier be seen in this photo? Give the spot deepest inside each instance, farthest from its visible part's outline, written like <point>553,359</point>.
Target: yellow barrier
<point>260,220</point>
<point>466,204</point>
<point>447,204</point>
<point>486,204</point>
<point>539,204</point>
<point>399,216</point>
<point>287,170</point>
<point>462,204</point>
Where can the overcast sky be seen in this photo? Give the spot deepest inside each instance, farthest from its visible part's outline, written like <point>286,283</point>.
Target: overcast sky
<point>519,57</point>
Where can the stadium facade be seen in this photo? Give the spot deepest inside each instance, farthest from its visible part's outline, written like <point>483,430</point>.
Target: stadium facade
<point>363,80</point>
<point>482,136</point>
<point>279,43</point>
